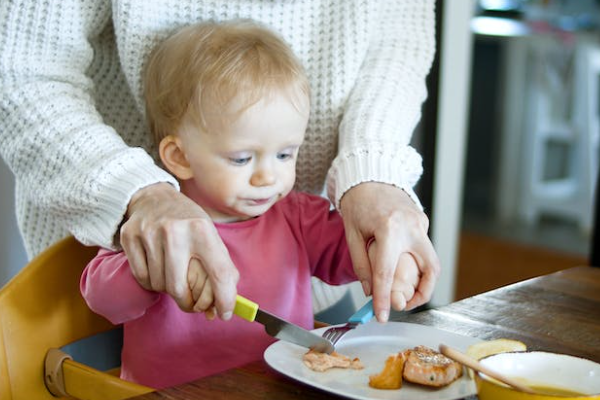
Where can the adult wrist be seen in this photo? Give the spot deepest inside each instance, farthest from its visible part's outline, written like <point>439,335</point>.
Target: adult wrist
<point>151,191</point>
<point>143,193</point>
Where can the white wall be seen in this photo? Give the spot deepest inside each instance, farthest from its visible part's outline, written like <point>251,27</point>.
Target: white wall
<point>455,74</point>
<point>12,252</point>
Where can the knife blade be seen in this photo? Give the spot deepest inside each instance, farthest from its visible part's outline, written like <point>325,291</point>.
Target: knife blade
<point>280,328</point>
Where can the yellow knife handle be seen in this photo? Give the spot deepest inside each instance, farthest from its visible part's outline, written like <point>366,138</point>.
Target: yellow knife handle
<point>245,308</point>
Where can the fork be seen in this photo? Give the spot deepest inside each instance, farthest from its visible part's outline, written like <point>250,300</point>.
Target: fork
<point>335,333</point>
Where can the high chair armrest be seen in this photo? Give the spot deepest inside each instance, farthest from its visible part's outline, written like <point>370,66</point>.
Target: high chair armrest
<point>76,380</point>
<point>53,371</point>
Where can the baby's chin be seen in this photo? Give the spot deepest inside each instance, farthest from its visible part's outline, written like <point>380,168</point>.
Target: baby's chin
<point>239,216</point>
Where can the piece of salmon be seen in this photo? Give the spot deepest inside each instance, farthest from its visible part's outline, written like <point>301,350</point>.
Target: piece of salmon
<point>320,362</point>
<point>428,367</point>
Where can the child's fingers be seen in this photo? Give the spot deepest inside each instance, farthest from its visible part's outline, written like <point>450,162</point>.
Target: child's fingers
<point>197,278</point>
<point>211,313</point>
<point>401,293</point>
<point>201,288</point>
<point>408,270</point>
<point>198,289</point>
<point>192,274</point>
<point>406,279</point>
<point>398,299</point>
<point>206,299</point>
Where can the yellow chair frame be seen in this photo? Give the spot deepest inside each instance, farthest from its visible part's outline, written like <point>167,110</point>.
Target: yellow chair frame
<point>41,310</point>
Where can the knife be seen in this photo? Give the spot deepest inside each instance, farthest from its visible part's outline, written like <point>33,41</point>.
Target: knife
<point>279,328</point>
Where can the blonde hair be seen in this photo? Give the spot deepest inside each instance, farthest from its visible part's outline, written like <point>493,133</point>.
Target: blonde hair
<point>201,68</point>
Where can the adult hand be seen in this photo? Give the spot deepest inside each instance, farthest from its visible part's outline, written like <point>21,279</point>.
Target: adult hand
<point>164,231</point>
<point>386,213</point>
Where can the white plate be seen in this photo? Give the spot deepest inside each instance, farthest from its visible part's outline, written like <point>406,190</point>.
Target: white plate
<point>373,343</point>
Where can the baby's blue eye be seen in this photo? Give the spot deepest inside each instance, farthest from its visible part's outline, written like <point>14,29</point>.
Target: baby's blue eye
<point>284,156</point>
<point>240,160</point>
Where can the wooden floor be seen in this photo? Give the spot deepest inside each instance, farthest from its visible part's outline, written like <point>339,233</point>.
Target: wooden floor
<point>485,263</point>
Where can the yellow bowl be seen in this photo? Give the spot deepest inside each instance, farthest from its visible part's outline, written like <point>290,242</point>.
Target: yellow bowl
<point>540,370</point>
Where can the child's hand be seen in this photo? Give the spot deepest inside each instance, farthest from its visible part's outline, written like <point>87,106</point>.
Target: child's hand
<point>406,281</point>
<point>406,278</point>
<point>201,288</point>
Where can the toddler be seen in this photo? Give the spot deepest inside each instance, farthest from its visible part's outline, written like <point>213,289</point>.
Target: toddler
<point>228,105</point>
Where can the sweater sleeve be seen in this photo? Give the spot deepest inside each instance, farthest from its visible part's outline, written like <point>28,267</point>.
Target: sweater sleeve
<point>69,165</point>
<point>325,240</point>
<point>110,290</point>
<point>385,104</point>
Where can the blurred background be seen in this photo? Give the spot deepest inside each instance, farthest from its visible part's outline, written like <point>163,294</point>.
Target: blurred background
<point>509,138</point>
<point>532,141</point>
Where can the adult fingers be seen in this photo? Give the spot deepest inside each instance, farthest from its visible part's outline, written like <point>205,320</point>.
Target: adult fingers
<point>136,255</point>
<point>177,259</point>
<point>155,260</point>
<point>360,260</point>
<point>223,276</point>
<point>383,268</point>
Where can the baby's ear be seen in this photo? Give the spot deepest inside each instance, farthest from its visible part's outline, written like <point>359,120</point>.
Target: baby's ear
<point>173,157</point>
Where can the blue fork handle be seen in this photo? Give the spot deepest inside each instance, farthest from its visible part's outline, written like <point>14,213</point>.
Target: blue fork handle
<point>364,314</point>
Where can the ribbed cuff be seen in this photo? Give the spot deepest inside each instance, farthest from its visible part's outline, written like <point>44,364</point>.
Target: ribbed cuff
<point>121,179</point>
<point>401,168</point>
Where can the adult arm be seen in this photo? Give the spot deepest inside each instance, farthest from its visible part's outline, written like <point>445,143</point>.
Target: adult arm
<point>380,116</point>
<point>71,169</point>
<point>73,172</point>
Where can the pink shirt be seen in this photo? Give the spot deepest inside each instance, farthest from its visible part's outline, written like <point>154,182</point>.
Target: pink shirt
<point>276,254</point>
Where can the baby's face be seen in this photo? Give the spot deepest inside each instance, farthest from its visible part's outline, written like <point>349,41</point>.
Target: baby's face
<point>241,171</point>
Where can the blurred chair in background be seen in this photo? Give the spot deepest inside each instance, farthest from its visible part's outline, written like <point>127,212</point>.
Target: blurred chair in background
<point>560,152</point>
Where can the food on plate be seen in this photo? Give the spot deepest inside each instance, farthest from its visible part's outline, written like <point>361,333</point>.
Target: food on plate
<point>320,362</point>
<point>490,347</point>
<point>391,375</point>
<point>420,365</point>
<point>428,367</point>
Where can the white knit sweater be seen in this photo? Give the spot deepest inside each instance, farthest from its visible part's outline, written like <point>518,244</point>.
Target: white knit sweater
<point>72,128</point>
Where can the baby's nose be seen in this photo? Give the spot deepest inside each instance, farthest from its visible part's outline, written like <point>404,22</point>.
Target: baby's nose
<point>263,177</point>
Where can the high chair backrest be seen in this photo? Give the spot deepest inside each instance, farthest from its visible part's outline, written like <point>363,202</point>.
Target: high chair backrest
<point>41,308</point>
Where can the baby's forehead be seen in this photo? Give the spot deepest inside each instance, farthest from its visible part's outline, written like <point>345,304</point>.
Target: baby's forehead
<point>223,112</point>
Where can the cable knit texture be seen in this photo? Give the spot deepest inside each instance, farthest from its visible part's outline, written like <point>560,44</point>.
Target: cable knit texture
<point>72,127</point>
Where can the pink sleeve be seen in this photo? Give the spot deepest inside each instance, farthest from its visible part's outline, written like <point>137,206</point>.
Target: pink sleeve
<point>325,240</point>
<point>110,289</point>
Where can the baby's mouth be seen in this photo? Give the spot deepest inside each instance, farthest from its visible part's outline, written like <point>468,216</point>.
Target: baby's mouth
<point>260,202</point>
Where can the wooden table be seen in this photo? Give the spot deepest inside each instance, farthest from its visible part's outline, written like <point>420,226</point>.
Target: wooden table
<point>559,312</point>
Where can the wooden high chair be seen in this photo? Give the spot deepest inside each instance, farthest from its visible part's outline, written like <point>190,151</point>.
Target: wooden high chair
<point>41,310</point>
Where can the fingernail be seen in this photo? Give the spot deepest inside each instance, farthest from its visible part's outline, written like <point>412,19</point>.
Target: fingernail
<point>366,287</point>
<point>226,316</point>
<point>383,316</point>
